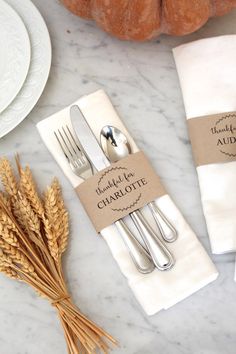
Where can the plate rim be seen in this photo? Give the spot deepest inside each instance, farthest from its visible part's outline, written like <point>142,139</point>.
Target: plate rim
<point>8,128</point>
<point>27,55</point>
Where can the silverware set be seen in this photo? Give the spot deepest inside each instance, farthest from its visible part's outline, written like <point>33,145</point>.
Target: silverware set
<point>85,156</point>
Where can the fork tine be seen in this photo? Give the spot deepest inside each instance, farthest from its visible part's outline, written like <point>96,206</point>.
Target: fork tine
<point>82,156</point>
<point>65,143</point>
<point>76,153</point>
<point>68,141</point>
<point>65,148</point>
<point>73,138</point>
<point>66,153</point>
<point>77,160</point>
<point>70,147</point>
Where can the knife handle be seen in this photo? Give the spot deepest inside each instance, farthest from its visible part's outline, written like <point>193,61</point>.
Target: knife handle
<point>161,256</point>
<point>139,255</point>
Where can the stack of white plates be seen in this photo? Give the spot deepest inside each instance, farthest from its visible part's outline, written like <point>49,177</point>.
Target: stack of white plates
<point>25,61</point>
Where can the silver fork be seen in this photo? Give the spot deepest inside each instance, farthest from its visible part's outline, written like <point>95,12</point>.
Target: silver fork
<point>81,166</point>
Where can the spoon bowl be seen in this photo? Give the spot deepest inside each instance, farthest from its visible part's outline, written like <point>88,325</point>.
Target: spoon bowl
<point>114,143</point>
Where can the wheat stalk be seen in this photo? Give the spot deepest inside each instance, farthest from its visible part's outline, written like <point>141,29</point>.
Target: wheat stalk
<point>63,216</point>
<point>7,177</point>
<point>33,235</point>
<point>28,187</point>
<point>9,272</point>
<point>6,200</point>
<point>57,217</point>
<point>17,257</point>
<point>30,218</point>
<point>8,230</point>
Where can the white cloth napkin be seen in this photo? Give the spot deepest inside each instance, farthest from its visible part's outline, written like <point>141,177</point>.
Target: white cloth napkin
<point>158,290</point>
<point>207,73</point>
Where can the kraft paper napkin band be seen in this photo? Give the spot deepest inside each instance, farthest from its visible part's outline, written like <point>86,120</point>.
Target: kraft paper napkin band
<point>119,189</point>
<point>213,138</point>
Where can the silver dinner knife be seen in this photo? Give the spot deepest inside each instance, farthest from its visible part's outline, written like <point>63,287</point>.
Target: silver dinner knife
<point>160,254</point>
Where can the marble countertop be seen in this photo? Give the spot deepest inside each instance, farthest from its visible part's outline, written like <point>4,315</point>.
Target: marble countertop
<point>142,82</point>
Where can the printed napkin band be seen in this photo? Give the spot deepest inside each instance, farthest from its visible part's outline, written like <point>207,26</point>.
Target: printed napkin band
<point>118,190</point>
<point>157,290</point>
<point>213,138</point>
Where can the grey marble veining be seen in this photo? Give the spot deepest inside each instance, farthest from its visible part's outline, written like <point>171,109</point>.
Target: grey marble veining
<point>142,82</point>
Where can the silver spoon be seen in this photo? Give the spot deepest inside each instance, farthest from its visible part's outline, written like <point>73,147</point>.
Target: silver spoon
<point>116,147</point>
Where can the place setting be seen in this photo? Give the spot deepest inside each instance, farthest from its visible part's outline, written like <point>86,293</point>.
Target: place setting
<point>147,235</point>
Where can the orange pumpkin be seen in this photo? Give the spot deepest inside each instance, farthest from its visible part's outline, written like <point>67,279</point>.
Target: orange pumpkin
<point>146,19</point>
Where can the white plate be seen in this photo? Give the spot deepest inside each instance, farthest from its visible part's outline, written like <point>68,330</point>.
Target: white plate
<point>38,70</point>
<point>15,54</point>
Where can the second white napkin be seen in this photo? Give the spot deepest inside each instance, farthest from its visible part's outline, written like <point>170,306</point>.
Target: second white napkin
<point>207,74</point>
<point>158,290</point>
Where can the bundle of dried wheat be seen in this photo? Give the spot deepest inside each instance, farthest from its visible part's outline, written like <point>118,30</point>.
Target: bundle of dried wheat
<point>33,236</point>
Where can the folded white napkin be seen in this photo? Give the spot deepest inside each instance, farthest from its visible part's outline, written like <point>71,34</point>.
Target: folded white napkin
<point>158,290</point>
<point>207,73</point>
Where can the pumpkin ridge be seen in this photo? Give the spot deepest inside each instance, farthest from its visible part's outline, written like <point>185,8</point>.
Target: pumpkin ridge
<point>146,19</point>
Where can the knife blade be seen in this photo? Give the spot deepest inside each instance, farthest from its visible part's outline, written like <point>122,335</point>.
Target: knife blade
<point>87,139</point>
